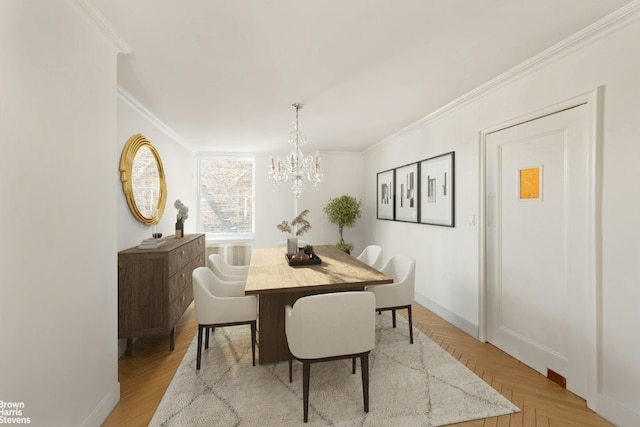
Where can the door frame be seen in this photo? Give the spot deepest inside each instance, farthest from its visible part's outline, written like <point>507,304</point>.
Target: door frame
<point>593,100</point>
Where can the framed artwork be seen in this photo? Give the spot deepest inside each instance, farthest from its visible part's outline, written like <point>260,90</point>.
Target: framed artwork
<point>384,195</point>
<point>437,184</point>
<point>407,193</point>
<point>531,183</point>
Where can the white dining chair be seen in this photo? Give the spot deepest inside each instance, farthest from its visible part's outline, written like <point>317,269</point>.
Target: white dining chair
<point>226,271</point>
<point>331,326</point>
<point>372,256</point>
<point>219,303</point>
<point>399,294</point>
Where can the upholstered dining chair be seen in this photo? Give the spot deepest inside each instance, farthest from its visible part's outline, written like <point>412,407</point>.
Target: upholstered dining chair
<point>372,256</point>
<point>219,303</point>
<point>331,326</point>
<point>400,293</point>
<point>226,271</point>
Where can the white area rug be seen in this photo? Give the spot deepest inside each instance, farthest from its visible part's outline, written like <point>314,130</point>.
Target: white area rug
<point>416,384</point>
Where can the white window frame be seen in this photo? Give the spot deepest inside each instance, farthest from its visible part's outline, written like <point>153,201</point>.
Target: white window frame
<point>227,236</point>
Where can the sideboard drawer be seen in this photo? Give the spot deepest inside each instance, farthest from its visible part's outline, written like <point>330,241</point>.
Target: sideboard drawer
<point>179,281</point>
<point>180,304</point>
<point>182,278</point>
<point>183,255</point>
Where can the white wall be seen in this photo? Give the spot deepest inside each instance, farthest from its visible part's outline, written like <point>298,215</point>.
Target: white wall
<point>447,258</point>
<point>343,174</point>
<point>59,297</point>
<point>179,167</point>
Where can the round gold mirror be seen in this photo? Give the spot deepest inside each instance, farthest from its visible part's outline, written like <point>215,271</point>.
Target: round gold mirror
<point>143,180</point>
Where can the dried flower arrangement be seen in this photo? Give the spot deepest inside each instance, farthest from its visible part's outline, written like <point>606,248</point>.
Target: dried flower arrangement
<point>299,224</point>
<point>183,211</point>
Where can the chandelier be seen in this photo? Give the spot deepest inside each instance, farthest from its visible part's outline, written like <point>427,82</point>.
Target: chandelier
<point>300,172</point>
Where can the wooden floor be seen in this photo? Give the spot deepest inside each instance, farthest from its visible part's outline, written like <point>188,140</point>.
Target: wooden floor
<point>145,375</point>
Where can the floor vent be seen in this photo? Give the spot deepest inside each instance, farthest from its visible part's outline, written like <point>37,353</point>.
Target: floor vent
<point>557,378</point>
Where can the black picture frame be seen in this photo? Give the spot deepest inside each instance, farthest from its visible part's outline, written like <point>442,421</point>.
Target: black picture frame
<point>385,201</point>
<point>407,193</point>
<point>437,195</point>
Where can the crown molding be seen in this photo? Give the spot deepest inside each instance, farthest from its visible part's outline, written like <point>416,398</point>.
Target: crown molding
<point>137,106</point>
<point>582,38</point>
<point>104,25</point>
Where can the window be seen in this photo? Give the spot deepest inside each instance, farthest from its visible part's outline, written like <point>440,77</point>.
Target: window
<point>226,195</point>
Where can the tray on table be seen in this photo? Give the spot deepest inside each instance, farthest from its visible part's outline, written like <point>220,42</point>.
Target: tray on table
<point>313,260</point>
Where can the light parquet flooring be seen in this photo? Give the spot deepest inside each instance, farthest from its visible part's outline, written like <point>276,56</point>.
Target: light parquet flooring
<point>146,374</point>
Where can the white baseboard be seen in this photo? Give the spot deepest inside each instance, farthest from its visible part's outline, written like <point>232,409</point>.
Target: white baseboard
<point>447,315</point>
<point>104,408</point>
<point>615,413</point>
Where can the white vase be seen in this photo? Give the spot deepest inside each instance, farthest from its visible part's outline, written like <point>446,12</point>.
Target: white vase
<point>292,246</point>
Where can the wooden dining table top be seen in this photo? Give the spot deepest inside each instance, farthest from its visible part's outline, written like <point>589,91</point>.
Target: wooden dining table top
<point>269,272</point>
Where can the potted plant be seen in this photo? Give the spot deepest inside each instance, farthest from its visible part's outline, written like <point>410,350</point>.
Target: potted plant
<point>299,225</point>
<point>343,211</point>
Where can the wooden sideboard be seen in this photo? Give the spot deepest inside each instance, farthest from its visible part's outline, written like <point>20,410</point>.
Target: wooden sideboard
<point>154,286</point>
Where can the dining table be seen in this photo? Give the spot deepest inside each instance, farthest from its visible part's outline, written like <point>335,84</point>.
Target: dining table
<point>278,284</point>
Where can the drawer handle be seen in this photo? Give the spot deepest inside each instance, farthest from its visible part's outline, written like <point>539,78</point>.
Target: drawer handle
<point>182,298</point>
<point>182,275</point>
<point>182,252</point>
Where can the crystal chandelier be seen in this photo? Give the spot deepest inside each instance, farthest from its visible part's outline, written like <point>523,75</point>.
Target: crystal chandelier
<point>299,171</point>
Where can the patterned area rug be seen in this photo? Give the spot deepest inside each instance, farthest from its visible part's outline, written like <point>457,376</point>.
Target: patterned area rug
<point>416,384</point>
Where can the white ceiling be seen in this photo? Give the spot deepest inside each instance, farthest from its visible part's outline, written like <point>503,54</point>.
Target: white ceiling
<point>222,74</point>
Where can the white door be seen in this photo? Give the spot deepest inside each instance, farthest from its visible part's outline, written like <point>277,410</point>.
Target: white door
<point>537,214</point>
